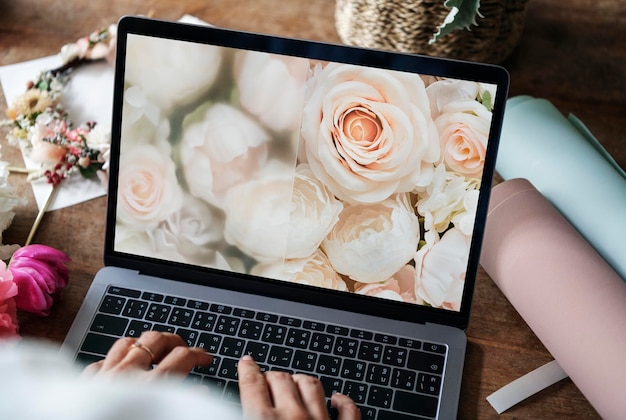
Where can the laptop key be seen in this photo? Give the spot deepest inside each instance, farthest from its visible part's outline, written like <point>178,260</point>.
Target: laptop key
<point>163,328</point>
<point>274,334</point>
<point>135,308</point>
<point>232,347</point>
<point>429,384</point>
<point>181,317</point>
<point>112,305</point>
<point>346,347</point>
<point>228,368</point>
<point>197,305</point>
<point>369,413</point>
<point>328,365</point>
<point>331,385</point>
<point>380,397</point>
<point>426,362</point>
<point>353,369</point>
<point>370,351</point>
<point>322,343</point>
<point>158,313</point>
<point>356,390</point>
<point>176,301</point>
<point>304,360</point>
<point>209,342</point>
<point>189,336</point>
<point>250,329</point>
<point>395,356</point>
<point>378,374</point>
<point>403,379</point>
<point>257,350</point>
<point>280,356</point>
<point>85,359</point>
<point>114,290</point>
<point>204,321</point>
<point>97,343</point>
<point>152,297</point>
<point>227,325</point>
<point>108,324</point>
<point>135,328</point>
<point>298,338</point>
<point>415,404</point>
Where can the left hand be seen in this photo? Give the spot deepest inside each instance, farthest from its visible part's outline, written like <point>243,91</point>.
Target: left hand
<point>168,352</point>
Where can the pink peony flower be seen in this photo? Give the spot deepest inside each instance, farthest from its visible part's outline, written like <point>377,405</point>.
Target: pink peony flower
<point>8,310</point>
<point>40,274</point>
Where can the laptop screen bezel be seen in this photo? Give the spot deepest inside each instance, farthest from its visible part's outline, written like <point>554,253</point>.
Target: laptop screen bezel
<point>477,72</point>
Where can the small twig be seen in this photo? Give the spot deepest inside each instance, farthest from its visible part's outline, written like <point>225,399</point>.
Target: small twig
<point>41,213</point>
<point>18,170</point>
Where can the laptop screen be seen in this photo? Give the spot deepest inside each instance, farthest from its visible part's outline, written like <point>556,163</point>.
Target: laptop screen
<point>334,174</point>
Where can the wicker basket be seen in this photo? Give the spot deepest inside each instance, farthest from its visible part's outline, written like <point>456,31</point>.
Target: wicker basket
<point>408,25</point>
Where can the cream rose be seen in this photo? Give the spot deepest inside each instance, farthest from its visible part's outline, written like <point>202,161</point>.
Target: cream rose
<point>463,132</point>
<point>189,235</point>
<point>148,189</point>
<point>314,212</point>
<point>370,243</point>
<point>368,132</point>
<point>440,267</point>
<point>400,287</point>
<point>271,87</point>
<point>448,197</point>
<point>171,72</point>
<point>314,270</point>
<point>220,148</point>
<point>445,91</point>
<point>257,214</point>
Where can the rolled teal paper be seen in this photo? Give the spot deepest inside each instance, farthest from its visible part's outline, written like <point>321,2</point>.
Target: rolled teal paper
<point>563,160</point>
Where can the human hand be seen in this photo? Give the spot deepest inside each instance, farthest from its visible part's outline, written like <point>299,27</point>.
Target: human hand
<point>277,395</point>
<point>168,352</point>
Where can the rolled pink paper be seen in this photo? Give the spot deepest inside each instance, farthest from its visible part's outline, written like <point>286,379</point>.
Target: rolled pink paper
<point>565,291</point>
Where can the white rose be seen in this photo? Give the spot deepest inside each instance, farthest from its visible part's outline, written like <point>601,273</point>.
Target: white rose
<point>445,199</point>
<point>314,212</point>
<point>271,87</point>
<point>314,270</point>
<point>171,72</point>
<point>440,267</point>
<point>368,132</point>
<point>444,91</point>
<point>257,214</point>
<point>148,189</point>
<point>132,241</point>
<point>370,243</point>
<point>220,148</point>
<point>463,128</point>
<point>189,235</point>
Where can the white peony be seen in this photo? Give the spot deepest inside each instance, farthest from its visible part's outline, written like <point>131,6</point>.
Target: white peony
<point>448,197</point>
<point>314,270</point>
<point>257,213</point>
<point>314,212</point>
<point>400,287</point>
<point>8,201</point>
<point>271,87</point>
<point>370,243</point>
<point>368,132</point>
<point>171,72</point>
<point>220,148</point>
<point>440,267</point>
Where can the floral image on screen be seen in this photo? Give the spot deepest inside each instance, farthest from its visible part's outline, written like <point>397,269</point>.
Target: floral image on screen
<point>332,175</point>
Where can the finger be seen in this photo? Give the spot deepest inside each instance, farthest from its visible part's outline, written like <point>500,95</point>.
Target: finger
<point>160,345</point>
<point>253,390</point>
<point>117,352</point>
<point>181,360</point>
<point>312,395</point>
<point>284,392</point>
<point>92,368</point>
<point>346,408</point>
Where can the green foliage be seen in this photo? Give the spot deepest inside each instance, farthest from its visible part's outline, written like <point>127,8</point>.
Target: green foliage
<point>462,15</point>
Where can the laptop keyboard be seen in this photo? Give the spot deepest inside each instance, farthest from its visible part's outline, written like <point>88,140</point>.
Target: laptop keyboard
<point>384,374</point>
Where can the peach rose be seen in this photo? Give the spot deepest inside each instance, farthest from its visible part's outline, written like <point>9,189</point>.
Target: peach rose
<point>44,151</point>
<point>368,132</point>
<point>463,132</point>
<point>440,267</point>
<point>370,243</point>
<point>148,189</point>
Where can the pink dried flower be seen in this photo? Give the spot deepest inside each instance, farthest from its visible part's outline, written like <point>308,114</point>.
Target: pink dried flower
<point>40,274</point>
<point>8,310</point>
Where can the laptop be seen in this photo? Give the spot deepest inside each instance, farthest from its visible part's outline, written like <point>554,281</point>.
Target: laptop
<point>320,207</point>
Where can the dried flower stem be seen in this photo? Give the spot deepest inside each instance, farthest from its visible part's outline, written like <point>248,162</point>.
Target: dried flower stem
<point>41,213</point>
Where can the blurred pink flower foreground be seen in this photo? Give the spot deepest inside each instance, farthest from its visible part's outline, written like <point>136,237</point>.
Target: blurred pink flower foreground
<point>40,274</point>
<point>8,291</point>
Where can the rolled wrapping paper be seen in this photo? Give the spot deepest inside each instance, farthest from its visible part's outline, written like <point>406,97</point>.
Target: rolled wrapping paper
<point>565,291</point>
<point>560,157</point>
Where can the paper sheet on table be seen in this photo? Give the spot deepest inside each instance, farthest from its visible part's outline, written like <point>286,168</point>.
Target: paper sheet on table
<point>563,160</point>
<point>87,97</point>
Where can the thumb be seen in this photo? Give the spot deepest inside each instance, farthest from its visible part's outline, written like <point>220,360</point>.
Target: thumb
<point>346,408</point>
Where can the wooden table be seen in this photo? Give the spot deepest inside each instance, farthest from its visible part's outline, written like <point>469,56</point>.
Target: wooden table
<point>572,53</point>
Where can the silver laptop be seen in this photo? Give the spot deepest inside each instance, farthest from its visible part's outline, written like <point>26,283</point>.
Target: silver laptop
<point>320,207</point>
